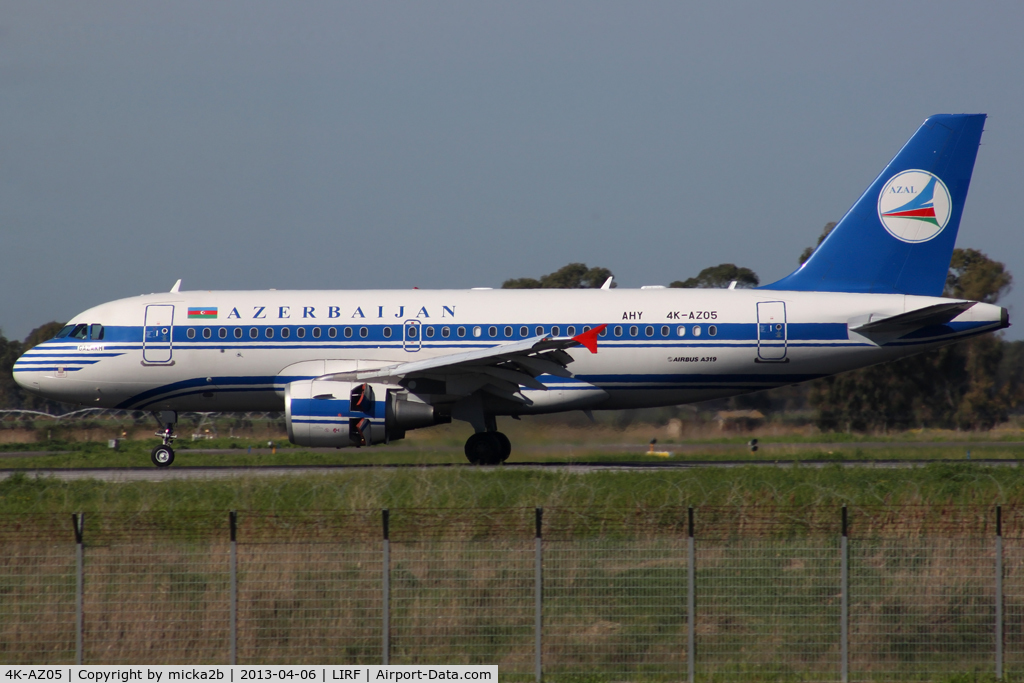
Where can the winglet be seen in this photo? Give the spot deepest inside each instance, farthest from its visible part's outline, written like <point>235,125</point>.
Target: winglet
<point>589,338</point>
<point>177,285</point>
<point>608,283</point>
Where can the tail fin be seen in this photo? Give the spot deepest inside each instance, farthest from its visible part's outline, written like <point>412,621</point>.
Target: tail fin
<point>898,238</point>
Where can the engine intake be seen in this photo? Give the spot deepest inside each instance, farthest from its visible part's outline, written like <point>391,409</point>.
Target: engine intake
<point>322,413</point>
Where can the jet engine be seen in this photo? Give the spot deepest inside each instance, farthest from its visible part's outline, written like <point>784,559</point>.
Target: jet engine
<point>342,414</point>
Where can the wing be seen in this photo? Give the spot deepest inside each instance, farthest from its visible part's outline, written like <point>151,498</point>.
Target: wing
<point>500,370</point>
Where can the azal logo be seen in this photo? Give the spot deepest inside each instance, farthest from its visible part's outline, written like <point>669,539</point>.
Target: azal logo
<point>914,206</point>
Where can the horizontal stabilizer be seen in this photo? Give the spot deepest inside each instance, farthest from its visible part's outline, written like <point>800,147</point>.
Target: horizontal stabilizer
<point>896,326</point>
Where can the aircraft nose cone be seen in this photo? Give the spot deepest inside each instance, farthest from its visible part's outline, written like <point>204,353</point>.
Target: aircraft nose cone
<point>25,378</point>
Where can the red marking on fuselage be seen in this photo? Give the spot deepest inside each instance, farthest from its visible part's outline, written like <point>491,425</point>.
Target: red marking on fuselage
<point>589,338</point>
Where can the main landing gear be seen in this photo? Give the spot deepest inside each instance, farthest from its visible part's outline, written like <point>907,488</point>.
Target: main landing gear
<point>488,448</point>
<point>163,455</point>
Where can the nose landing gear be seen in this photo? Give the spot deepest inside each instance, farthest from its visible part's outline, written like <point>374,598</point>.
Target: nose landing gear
<point>163,455</point>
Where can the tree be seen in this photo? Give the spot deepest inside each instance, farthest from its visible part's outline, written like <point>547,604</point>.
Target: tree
<point>719,277</point>
<point>571,276</point>
<point>974,276</point>
<point>12,395</point>
<point>806,253</point>
<point>42,333</point>
<point>10,392</point>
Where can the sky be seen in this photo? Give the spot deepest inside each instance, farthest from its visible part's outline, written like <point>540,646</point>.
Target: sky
<point>353,145</point>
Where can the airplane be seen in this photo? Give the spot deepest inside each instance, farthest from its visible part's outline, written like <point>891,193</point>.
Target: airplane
<point>358,368</point>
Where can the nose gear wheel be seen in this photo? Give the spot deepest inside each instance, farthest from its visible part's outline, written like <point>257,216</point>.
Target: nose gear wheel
<point>162,456</point>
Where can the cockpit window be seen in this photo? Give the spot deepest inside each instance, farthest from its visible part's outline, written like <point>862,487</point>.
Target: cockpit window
<point>65,331</point>
<point>80,332</point>
<point>96,331</point>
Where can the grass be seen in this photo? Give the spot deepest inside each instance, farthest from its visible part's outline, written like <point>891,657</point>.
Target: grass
<point>935,484</point>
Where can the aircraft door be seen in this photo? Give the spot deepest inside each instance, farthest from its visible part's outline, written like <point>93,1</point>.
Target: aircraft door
<point>412,335</point>
<point>771,331</point>
<point>156,339</point>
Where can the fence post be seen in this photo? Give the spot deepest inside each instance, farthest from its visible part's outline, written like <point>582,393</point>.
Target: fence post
<point>844,602</point>
<point>386,592</point>
<point>233,521</point>
<point>691,600</point>
<point>78,522</point>
<point>538,603</point>
<point>999,592</point>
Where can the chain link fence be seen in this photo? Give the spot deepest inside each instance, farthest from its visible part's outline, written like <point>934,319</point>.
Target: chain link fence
<point>37,590</point>
<point>666,594</point>
<point>308,588</point>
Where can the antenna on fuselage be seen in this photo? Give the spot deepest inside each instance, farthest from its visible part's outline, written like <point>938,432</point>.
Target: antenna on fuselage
<point>608,283</point>
<point>177,286</point>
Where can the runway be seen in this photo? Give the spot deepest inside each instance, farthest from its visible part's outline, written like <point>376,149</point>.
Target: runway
<point>131,474</point>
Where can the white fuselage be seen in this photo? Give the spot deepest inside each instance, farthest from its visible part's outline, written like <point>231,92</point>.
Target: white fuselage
<point>661,347</point>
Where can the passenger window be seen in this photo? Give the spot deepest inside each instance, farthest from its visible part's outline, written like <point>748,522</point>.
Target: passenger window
<point>445,332</point>
<point>632,331</point>
<point>332,332</point>
<point>603,332</point>
<point>524,331</point>
<point>285,332</point>
<point>207,333</point>
<point>492,331</point>
<point>555,331</point>
<point>649,331</point>
<point>430,332</point>
<point>508,331</point>
<point>222,333</point>
<point>316,333</point>
<point>681,331</point>
<point>539,330</point>
<point>617,331</point>
<point>191,334</point>
<point>238,333</point>
<point>387,332</point>
<point>571,332</point>
<point>301,333</point>
<point>461,331</point>
<point>477,331</point>
<point>696,330</point>
<point>253,333</point>
<point>348,333</point>
<point>712,330</point>
<point>664,330</point>
<point>410,331</point>
<point>269,332</point>
<point>96,331</point>
<point>363,332</point>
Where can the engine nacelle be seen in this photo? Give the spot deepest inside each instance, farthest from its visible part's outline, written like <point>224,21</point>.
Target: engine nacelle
<point>342,414</point>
